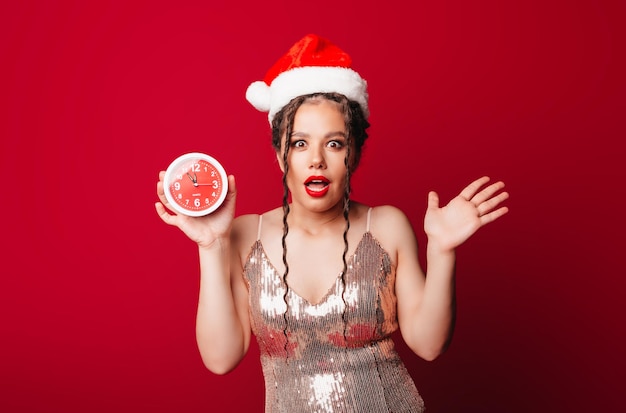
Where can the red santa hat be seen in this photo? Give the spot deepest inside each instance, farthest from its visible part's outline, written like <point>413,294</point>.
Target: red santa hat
<point>312,65</point>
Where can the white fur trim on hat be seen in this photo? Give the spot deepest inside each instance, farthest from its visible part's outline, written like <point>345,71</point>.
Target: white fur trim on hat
<point>306,80</point>
<point>258,94</point>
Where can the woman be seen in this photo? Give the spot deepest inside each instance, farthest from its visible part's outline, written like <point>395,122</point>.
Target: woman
<point>323,281</point>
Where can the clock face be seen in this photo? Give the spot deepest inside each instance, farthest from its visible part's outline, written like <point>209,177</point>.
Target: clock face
<point>195,184</point>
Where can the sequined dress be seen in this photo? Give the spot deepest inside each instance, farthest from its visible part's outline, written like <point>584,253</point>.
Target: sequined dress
<point>318,365</point>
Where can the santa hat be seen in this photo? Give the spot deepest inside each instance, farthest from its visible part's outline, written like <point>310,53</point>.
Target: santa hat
<point>312,65</point>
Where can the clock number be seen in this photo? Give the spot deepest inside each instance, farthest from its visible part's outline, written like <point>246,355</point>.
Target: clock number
<point>196,202</point>
<point>177,186</point>
<point>213,173</point>
<point>213,194</point>
<point>196,167</point>
<point>215,184</point>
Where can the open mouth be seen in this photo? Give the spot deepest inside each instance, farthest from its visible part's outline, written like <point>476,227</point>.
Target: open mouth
<point>317,186</point>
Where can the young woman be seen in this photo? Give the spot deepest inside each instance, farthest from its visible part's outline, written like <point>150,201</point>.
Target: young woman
<point>323,281</point>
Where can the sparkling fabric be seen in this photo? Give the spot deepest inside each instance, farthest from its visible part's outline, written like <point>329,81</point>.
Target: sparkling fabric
<point>319,363</point>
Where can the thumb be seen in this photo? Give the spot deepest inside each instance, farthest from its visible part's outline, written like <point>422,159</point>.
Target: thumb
<point>433,200</point>
<point>231,196</point>
<point>232,190</point>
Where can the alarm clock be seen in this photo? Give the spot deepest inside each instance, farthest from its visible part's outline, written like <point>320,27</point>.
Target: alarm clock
<point>195,184</point>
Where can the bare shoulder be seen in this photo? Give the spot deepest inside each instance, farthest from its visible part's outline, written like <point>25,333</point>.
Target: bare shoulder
<point>245,229</point>
<point>244,224</point>
<point>392,228</point>
<point>388,218</point>
<point>243,233</point>
<point>273,217</point>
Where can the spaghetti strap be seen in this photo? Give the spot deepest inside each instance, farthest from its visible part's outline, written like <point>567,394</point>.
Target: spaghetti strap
<point>369,214</point>
<point>258,234</point>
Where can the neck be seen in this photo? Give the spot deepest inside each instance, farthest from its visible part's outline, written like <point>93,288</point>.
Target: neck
<point>315,222</point>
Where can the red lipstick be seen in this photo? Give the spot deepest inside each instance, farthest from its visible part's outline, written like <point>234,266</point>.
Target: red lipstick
<point>316,186</point>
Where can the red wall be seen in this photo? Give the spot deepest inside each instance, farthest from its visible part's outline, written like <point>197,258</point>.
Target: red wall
<point>97,295</point>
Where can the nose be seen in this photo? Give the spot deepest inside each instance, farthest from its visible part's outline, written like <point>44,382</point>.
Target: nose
<point>317,160</point>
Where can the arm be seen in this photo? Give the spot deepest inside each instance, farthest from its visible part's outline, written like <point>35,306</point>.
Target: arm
<point>426,303</point>
<point>222,324</point>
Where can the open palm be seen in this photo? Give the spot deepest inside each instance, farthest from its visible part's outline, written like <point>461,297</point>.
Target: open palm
<point>474,207</point>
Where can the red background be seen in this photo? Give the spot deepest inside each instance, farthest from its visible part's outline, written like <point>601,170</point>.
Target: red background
<point>98,296</point>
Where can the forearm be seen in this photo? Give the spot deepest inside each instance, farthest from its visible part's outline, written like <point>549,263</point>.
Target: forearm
<point>434,325</point>
<point>219,330</point>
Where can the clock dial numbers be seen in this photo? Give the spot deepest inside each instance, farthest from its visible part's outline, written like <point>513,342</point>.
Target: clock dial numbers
<point>197,184</point>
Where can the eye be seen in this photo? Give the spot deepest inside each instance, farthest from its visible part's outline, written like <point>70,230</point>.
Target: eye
<point>298,143</point>
<point>336,144</point>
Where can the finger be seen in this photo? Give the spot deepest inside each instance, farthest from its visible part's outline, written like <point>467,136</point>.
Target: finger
<point>433,200</point>
<point>231,195</point>
<point>473,188</point>
<point>492,203</point>
<point>161,194</point>
<point>232,188</point>
<point>487,193</point>
<point>493,215</point>
<point>163,214</point>
<point>161,175</point>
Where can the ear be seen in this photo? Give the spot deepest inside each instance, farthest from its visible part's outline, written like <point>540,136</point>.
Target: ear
<point>279,158</point>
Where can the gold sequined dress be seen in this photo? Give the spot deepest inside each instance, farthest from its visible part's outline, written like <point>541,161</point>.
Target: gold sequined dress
<point>317,365</point>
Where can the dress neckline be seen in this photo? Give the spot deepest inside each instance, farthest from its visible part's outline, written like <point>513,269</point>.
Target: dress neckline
<point>324,298</point>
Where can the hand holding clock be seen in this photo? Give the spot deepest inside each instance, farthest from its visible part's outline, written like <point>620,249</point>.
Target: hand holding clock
<point>203,230</point>
<point>204,215</point>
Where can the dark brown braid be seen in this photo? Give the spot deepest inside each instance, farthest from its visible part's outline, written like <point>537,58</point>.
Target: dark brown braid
<point>346,209</point>
<point>286,118</point>
<point>356,126</point>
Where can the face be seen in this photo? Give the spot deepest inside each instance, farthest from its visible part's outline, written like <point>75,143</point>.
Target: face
<point>317,171</point>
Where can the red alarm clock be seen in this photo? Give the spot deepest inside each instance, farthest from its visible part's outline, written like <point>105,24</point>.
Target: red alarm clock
<point>195,184</point>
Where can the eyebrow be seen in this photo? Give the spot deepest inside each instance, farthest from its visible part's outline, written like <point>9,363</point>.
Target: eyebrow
<point>328,135</point>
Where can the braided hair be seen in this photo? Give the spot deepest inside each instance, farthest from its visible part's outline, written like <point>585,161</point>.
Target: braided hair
<point>356,126</point>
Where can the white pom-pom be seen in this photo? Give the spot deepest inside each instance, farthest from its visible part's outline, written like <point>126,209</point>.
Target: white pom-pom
<point>258,94</point>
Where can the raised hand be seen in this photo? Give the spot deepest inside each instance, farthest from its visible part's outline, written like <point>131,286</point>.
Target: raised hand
<point>449,226</point>
<point>202,230</point>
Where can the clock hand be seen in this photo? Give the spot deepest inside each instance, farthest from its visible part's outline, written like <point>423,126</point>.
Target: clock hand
<point>193,178</point>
